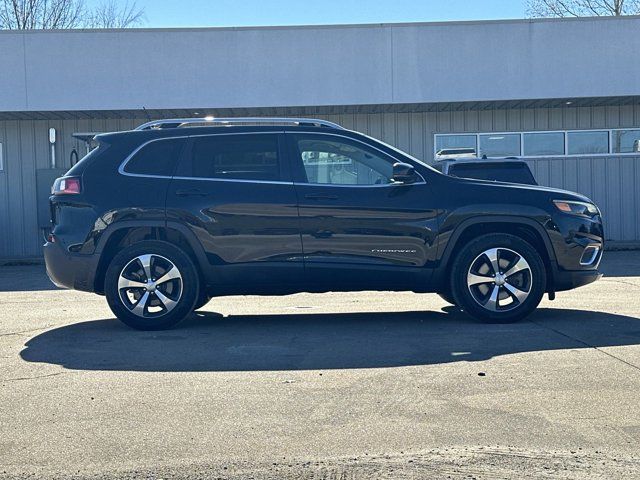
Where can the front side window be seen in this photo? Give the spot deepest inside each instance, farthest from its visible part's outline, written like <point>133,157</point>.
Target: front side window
<point>235,157</point>
<point>333,161</point>
<point>500,145</point>
<point>626,141</point>
<point>588,143</point>
<point>157,158</point>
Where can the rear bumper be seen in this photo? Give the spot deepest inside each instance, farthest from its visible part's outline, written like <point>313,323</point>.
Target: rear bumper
<point>567,280</point>
<point>67,270</point>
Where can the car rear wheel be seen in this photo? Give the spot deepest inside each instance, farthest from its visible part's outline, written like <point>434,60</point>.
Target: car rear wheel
<point>151,285</point>
<point>498,278</point>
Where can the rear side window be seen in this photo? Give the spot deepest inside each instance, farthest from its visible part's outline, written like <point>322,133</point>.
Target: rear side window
<point>157,158</point>
<point>512,173</point>
<point>234,157</point>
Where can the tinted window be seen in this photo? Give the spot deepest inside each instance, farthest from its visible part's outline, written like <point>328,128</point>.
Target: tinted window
<point>334,161</point>
<point>156,158</point>
<point>238,157</point>
<point>543,144</point>
<point>586,143</point>
<point>512,173</point>
<point>500,145</point>
<point>626,141</point>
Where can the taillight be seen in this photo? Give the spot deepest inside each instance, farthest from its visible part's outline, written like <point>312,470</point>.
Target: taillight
<point>66,186</point>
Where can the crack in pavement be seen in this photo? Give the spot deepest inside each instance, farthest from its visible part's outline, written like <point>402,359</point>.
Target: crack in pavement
<point>37,377</point>
<point>22,332</point>
<point>586,344</point>
<point>615,280</point>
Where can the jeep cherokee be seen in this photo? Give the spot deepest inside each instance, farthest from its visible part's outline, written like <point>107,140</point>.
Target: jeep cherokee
<point>162,218</point>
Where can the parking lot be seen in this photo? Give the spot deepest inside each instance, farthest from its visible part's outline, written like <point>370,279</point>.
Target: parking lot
<point>385,385</point>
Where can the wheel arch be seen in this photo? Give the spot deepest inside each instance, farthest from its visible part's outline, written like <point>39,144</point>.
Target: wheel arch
<point>527,229</point>
<point>128,233</point>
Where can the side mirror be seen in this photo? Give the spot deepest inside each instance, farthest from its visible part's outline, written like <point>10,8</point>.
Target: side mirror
<point>404,173</point>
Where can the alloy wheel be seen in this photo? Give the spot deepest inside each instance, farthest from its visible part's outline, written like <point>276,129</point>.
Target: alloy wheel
<point>150,286</point>
<point>499,279</point>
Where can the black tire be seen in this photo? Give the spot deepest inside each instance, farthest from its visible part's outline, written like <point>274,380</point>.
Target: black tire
<point>478,299</point>
<point>447,297</point>
<point>180,294</point>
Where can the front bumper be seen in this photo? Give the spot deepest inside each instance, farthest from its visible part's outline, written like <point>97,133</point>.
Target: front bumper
<point>67,270</point>
<point>568,280</point>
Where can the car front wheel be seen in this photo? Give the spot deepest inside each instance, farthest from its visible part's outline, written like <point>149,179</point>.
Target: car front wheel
<point>151,285</point>
<point>498,278</point>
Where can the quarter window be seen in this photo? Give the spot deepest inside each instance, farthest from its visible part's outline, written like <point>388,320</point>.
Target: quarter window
<point>341,162</point>
<point>500,145</point>
<point>157,158</point>
<point>626,141</point>
<point>235,157</point>
<point>543,144</point>
<point>588,143</point>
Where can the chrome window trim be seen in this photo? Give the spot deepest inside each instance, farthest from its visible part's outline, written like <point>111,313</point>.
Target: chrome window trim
<point>332,134</point>
<point>121,170</point>
<point>610,132</point>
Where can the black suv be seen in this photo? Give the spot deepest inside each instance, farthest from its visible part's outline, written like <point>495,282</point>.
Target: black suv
<point>164,217</point>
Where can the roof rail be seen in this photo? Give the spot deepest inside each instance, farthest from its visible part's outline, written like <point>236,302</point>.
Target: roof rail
<point>211,121</point>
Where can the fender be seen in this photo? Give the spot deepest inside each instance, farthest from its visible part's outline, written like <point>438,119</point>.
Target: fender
<point>510,219</point>
<point>193,241</point>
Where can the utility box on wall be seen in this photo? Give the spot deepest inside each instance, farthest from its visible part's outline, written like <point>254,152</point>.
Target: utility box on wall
<point>44,181</point>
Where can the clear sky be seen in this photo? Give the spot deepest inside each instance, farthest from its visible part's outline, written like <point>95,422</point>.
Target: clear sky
<point>209,13</point>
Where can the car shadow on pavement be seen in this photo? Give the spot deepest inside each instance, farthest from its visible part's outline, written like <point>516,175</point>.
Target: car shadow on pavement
<point>210,342</point>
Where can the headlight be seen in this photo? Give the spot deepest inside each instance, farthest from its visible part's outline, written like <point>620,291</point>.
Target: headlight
<point>577,208</point>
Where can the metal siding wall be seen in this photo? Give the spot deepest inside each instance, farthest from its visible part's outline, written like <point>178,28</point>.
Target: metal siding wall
<point>26,149</point>
<point>612,182</point>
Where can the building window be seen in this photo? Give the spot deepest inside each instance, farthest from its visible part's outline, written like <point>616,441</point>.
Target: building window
<point>1,159</point>
<point>626,141</point>
<point>622,141</point>
<point>545,144</point>
<point>500,145</point>
<point>588,142</point>
<point>456,144</point>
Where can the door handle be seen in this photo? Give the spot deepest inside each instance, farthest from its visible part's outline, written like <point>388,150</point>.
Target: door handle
<point>192,192</point>
<point>320,196</point>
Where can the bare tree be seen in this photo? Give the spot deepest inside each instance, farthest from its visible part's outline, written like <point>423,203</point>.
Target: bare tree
<point>582,8</point>
<point>62,14</point>
<point>110,15</point>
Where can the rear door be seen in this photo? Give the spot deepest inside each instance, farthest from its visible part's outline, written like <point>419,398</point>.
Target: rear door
<point>358,229</point>
<point>235,192</point>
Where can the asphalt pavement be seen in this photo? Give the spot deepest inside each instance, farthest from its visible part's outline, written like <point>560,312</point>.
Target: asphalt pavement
<point>337,385</point>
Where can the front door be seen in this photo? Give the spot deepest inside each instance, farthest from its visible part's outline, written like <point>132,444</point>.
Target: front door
<point>235,193</point>
<point>358,228</point>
